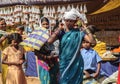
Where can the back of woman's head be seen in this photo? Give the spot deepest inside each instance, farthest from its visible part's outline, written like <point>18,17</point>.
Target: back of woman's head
<point>92,28</point>
<point>57,24</point>
<point>14,36</point>
<point>20,27</point>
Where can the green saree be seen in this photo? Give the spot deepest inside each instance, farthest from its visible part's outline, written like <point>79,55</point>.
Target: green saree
<point>71,62</point>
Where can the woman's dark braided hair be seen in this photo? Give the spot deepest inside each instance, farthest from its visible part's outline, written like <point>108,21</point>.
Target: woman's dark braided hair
<point>14,36</point>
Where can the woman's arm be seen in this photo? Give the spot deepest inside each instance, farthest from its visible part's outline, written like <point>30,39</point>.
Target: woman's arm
<point>21,61</point>
<point>88,36</point>
<point>54,36</point>
<point>4,61</point>
<point>2,39</point>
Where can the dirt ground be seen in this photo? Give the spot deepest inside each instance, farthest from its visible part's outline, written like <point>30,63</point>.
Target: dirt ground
<point>30,80</point>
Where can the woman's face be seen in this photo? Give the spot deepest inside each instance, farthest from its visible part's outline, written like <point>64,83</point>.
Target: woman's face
<point>45,24</point>
<point>70,23</point>
<point>2,25</point>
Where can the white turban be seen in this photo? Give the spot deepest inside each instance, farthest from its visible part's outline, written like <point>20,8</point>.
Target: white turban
<point>73,14</point>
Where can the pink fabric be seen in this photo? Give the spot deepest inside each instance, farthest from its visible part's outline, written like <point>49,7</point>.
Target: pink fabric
<point>118,75</point>
<point>44,65</point>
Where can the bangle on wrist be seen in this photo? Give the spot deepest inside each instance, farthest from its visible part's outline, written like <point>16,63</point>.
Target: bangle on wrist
<point>57,32</point>
<point>87,31</point>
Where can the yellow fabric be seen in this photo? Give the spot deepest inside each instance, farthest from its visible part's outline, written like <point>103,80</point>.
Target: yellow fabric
<point>112,4</point>
<point>11,30</point>
<point>100,48</point>
<point>15,74</point>
<point>4,67</point>
<point>4,44</point>
<point>26,48</point>
<point>4,72</point>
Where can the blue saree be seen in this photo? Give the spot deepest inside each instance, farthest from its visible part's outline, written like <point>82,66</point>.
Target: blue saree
<point>71,62</point>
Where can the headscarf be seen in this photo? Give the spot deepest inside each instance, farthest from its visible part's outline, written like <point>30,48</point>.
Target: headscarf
<point>47,20</point>
<point>44,19</point>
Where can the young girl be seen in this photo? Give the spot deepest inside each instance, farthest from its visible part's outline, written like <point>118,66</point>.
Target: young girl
<point>13,57</point>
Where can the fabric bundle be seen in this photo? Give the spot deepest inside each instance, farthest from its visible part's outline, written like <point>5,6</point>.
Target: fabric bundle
<point>36,39</point>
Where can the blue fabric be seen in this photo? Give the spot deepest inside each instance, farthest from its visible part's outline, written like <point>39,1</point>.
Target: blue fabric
<point>31,69</point>
<point>44,75</point>
<point>91,58</point>
<point>28,29</point>
<point>54,73</point>
<point>108,68</point>
<point>71,63</point>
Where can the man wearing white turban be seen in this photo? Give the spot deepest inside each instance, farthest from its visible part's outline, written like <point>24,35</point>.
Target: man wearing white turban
<point>70,59</point>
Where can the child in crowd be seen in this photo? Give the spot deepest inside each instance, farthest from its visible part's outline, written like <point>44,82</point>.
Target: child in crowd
<point>91,60</point>
<point>13,56</point>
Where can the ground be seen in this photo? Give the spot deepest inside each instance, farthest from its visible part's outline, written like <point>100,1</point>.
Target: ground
<point>30,80</point>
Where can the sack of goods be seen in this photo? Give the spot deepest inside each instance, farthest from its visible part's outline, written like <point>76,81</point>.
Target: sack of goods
<point>36,39</point>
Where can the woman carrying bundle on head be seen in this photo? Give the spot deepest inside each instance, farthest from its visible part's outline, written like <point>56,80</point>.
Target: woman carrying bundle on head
<point>70,61</point>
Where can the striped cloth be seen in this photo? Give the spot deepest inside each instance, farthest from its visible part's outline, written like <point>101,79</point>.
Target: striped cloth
<point>36,39</point>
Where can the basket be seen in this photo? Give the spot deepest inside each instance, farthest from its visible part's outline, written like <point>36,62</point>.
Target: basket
<point>109,59</point>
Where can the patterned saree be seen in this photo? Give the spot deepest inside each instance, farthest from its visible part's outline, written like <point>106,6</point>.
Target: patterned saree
<point>71,62</point>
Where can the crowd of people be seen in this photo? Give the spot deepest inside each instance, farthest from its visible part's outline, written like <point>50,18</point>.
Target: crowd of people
<point>65,57</point>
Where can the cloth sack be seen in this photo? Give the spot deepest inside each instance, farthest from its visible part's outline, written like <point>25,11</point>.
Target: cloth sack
<point>36,39</point>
